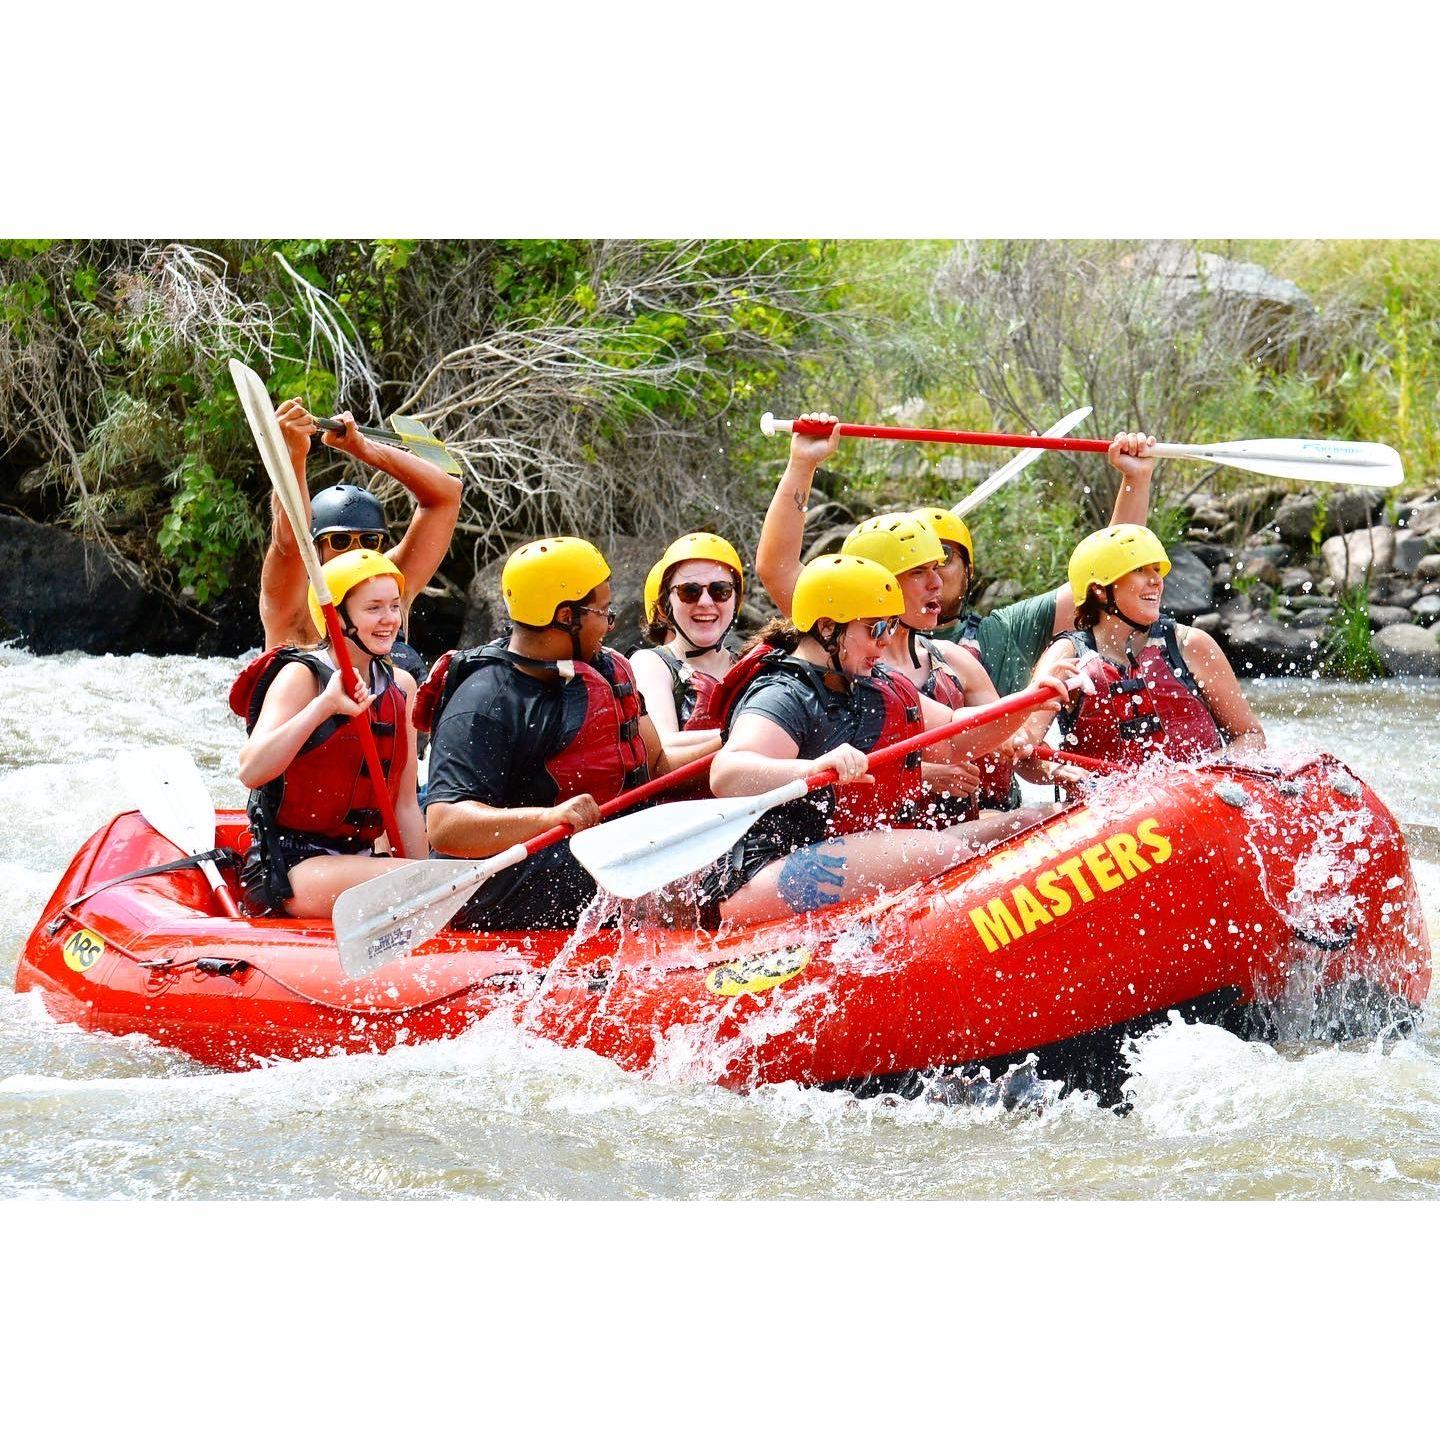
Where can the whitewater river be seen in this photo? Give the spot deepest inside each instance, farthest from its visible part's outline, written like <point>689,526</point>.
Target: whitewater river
<point>497,1114</point>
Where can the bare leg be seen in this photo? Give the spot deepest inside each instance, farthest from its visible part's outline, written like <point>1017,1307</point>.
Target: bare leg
<point>318,882</point>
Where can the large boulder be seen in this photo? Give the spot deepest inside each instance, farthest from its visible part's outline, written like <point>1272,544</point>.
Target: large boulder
<point>1189,589</point>
<point>1409,649</point>
<point>1353,557</point>
<point>1261,646</point>
<point>60,592</point>
<point>1344,510</point>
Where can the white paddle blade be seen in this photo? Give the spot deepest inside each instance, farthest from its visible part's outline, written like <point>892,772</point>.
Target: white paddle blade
<point>166,788</point>
<point>638,853</point>
<point>1330,462</point>
<point>1007,472</point>
<point>387,917</point>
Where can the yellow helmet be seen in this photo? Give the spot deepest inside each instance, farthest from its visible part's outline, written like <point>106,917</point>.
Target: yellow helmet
<point>344,573</point>
<point>897,541</point>
<point>948,526</point>
<point>545,574</point>
<point>702,545</point>
<point>652,591</point>
<point>844,588</point>
<point>1102,558</point>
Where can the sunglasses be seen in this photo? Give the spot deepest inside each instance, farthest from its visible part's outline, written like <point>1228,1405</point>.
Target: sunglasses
<point>341,540</point>
<point>882,629</point>
<point>608,613</point>
<point>718,590</point>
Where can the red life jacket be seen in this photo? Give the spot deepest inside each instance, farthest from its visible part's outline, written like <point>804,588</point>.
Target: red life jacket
<point>690,688</point>
<point>897,787</point>
<point>607,753</point>
<point>712,709</point>
<point>1156,708</point>
<point>326,789</point>
<point>997,771</point>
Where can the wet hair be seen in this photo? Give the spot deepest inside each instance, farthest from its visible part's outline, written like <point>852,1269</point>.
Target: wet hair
<point>778,633</point>
<point>1089,611</point>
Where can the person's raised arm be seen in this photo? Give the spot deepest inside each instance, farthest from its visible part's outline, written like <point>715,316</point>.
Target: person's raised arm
<point>777,556</point>
<point>282,574</point>
<point>1132,504</point>
<point>437,498</point>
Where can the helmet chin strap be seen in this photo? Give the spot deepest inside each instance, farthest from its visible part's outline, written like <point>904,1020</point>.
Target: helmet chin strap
<point>348,630</point>
<point>1137,627</point>
<point>691,654</point>
<point>832,646</point>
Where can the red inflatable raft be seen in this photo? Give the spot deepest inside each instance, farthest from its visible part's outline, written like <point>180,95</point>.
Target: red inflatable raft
<point>1225,891</point>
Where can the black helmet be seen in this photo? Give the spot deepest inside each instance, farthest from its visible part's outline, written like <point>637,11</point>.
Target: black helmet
<point>345,507</point>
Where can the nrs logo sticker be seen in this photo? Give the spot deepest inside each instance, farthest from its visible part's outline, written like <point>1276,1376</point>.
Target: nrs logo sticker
<point>82,950</point>
<point>756,973</point>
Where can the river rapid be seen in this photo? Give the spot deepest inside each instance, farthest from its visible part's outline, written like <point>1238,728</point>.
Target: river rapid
<point>497,1114</point>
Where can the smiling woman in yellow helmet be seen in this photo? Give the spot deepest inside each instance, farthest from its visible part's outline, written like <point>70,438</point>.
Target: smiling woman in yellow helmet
<point>693,595</point>
<point>824,700</point>
<point>1160,688</point>
<point>314,816</point>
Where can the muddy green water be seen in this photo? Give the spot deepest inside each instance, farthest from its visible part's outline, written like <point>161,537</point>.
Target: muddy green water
<point>497,1114</point>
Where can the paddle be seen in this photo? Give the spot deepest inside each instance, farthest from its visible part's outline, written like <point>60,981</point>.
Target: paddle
<point>171,797</point>
<point>404,433</point>
<point>258,411</point>
<point>1007,472</point>
<point>389,916</point>
<point>641,853</point>
<point>1333,462</point>
<point>1081,762</point>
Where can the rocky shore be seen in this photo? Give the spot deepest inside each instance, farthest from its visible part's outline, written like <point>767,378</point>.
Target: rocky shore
<point>1264,570</point>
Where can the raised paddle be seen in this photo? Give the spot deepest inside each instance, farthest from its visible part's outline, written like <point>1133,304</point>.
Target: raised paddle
<point>404,433</point>
<point>387,917</point>
<point>1008,471</point>
<point>641,853</point>
<point>255,401</point>
<point>166,788</point>
<point>1332,462</point>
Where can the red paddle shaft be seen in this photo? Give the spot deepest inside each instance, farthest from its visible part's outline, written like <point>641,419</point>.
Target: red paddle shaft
<point>1081,762</point>
<point>1011,705</point>
<point>820,429</point>
<point>362,729</point>
<point>693,770</point>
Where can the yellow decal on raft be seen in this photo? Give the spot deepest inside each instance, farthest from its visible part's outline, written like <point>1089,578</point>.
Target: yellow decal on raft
<point>82,949</point>
<point>756,973</point>
<point>1054,891</point>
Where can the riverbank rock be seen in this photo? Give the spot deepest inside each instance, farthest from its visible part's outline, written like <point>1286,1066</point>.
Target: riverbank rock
<point>60,592</point>
<point>1409,649</point>
<point>1189,590</point>
<point>1353,557</point>
<point>1262,646</point>
<point>1428,569</point>
<point>1296,515</point>
<point>1383,615</point>
<point>1411,549</point>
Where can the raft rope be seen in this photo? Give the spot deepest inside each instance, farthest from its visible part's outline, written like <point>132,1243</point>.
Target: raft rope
<point>221,855</point>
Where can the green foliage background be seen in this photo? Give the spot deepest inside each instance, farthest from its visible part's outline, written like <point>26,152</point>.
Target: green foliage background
<point>117,416</point>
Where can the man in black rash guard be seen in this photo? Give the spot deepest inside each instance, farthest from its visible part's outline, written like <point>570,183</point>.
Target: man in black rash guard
<point>534,731</point>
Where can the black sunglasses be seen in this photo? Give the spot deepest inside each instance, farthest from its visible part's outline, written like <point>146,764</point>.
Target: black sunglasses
<point>719,590</point>
<point>883,629</point>
<point>342,540</point>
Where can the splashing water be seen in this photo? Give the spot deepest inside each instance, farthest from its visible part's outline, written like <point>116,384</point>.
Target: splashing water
<point>496,1112</point>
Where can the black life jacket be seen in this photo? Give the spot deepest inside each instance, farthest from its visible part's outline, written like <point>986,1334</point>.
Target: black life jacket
<point>607,753</point>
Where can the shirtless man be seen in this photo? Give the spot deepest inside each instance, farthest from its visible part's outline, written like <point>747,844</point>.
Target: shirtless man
<point>346,516</point>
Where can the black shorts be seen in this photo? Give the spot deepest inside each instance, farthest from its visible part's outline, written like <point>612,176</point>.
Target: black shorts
<point>546,892</point>
<point>274,852</point>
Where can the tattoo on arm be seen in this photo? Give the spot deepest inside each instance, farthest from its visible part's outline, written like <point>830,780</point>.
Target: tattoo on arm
<point>799,497</point>
<point>811,877</point>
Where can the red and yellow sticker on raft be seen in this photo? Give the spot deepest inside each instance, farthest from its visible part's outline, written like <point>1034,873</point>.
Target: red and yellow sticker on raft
<point>1045,896</point>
